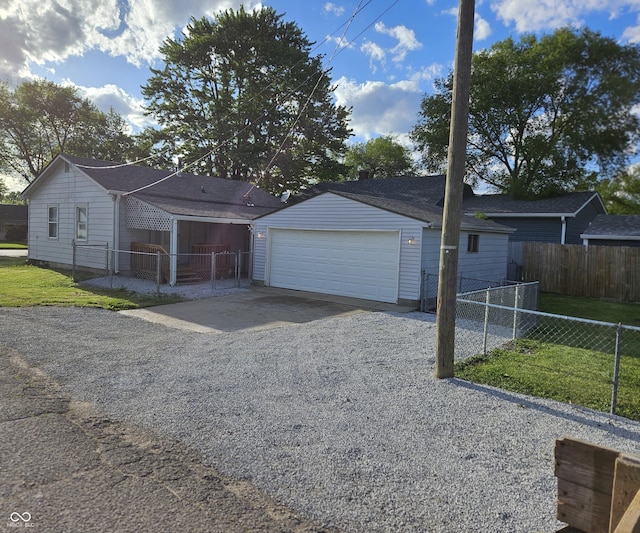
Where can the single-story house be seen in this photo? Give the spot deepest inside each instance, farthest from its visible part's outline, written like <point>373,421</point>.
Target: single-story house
<point>124,207</point>
<point>371,241</point>
<point>560,219</point>
<point>613,230</point>
<point>13,220</point>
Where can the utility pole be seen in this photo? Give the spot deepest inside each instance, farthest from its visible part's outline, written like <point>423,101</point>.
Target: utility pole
<point>448,270</point>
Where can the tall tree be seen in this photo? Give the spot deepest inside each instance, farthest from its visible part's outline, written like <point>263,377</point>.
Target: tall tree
<point>240,97</point>
<point>382,157</point>
<point>40,119</point>
<point>546,115</point>
<point>621,193</point>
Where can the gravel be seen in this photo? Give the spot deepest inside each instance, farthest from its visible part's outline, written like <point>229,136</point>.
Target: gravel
<point>340,418</point>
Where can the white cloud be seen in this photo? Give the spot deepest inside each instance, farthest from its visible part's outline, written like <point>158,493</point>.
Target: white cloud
<point>482,29</point>
<point>529,16</point>
<point>41,31</point>
<point>632,33</point>
<point>374,52</point>
<point>406,38</point>
<point>113,97</point>
<point>332,8</point>
<point>380,108</point>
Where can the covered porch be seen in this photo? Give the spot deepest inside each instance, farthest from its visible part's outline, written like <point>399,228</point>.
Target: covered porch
<point>184,249</point>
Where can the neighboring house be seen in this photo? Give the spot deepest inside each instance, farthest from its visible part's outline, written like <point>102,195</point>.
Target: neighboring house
<point>370,239</point>
<point>13,220</point>
<point>100,203</point>
<point>613,230</point>
<point>561,219</point>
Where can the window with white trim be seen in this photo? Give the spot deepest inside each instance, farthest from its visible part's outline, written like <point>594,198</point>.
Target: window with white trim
<point>53,222</point>
<point>473,243</point>
<point>81,223</point>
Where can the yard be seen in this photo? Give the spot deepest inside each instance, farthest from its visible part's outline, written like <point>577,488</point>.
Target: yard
<point>568,370</point>
<point>23,285</point>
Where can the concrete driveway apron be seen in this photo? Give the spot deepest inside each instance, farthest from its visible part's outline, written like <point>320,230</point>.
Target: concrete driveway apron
<point>256,308</point>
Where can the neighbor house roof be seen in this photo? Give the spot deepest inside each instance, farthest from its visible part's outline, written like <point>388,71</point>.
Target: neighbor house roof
<point>431,214</point>
<point>183,195</point>
<point>614,227</point>
<point>430,190</point>
<point>497,205</point>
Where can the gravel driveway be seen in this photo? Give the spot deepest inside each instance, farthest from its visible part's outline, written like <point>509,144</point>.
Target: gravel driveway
<point>339,418</point>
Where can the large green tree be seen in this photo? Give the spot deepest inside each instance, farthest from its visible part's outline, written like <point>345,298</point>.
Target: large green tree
<point>546,114</point>
<point>39,119</point>
<point>621,193</point>
<point>382,157</point>
<point>241,97</point>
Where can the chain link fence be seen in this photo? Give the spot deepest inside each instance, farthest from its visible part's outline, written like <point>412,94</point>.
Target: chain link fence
<point>429,291</point>
<point>216,270</point>
<point>605,354</point>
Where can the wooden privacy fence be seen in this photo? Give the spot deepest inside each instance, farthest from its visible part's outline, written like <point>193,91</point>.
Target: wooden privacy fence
<point>576,270</point>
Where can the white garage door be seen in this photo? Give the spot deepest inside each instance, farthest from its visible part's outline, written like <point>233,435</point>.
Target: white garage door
<point>360,264</point>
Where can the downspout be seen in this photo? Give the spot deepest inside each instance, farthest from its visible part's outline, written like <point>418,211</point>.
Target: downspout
<point>173,252</point>
<point>563,235</point>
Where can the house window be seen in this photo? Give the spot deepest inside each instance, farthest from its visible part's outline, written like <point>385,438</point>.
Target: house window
<point>81,223</point>
<point>473,243</point>
<point>53,221</point>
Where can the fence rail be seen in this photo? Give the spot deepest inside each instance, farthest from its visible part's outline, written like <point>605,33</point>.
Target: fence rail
<point>576,270</point>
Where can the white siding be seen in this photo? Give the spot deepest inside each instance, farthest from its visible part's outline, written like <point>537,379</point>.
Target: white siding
<point>66,190</point>
<point>333,212</point>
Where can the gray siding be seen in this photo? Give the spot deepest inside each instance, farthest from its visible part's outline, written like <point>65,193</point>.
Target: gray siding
<point>66,190</point>
<point>533,229</point>
<point>578,224</point>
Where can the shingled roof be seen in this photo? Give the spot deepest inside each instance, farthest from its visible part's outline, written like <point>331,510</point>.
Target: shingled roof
<point>604,226</point>
<point>184,195</point>
<point>420,198</point>
<point>427,190</point>
<point>430,191</point>
<point>499,204</point>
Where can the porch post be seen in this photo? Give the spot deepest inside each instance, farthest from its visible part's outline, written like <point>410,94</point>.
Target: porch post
<point>173,252</point>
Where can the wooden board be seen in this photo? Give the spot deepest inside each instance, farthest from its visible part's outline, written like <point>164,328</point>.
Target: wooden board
<point>626,486</point>
<point>585,473</point>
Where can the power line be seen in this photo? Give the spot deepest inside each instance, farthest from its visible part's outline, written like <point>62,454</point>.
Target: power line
<point>337,50</point>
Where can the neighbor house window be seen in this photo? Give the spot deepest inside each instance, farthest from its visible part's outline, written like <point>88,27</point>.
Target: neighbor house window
<point>81,223</point>
<point>53,221</point>
<point>473,242</point>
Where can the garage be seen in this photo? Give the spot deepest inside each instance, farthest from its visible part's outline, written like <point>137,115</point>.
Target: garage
<point>359,264</point>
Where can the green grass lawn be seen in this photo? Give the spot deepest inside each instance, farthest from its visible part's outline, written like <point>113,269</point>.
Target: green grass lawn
<point>23,285</point>
<point>12,246</point>
<point>564,368</point>
<point>592,308</point>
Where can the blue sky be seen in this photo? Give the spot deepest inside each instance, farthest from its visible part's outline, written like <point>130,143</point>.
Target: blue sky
<point>383,59</point>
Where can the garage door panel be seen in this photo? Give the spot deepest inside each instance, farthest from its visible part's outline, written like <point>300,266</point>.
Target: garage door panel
<point>350,263</point>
